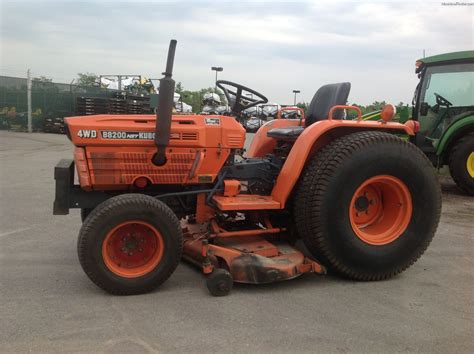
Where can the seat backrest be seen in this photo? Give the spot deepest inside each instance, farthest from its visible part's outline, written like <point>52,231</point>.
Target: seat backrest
<point>326,97</point>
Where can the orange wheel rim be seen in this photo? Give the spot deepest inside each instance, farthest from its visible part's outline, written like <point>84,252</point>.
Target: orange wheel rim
<point>380,210</point>
<point>132,249</point>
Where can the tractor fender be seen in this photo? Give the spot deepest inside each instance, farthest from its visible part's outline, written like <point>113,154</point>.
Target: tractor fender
<point>315,137</point>
<point>454,132</point>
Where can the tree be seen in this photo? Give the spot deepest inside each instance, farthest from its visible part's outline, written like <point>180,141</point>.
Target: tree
<point>179,88</point>
<point>302,105</point>
<point>87,79</point>
<point>43,83</point>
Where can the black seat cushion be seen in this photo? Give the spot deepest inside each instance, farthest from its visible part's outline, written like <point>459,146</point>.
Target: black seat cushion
<point>286,133</point>
<point>324,99</point>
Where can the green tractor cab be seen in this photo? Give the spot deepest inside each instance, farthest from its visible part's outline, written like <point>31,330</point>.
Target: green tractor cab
<point>443,104</point>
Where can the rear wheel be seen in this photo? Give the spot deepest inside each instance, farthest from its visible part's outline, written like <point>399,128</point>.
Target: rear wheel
<point>461,163</point>
<point>130,244</point>
<point>368,205</point>
<point>85,213</point>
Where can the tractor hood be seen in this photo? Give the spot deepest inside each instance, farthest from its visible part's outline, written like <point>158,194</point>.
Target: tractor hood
<point>196,131</point>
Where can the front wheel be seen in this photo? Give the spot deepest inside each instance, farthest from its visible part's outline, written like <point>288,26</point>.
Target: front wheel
<point>130,244</point>
<point>368,205</point>
<point>461,163</point>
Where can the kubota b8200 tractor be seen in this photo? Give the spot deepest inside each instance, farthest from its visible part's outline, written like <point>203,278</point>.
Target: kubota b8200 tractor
<point>154,189</point>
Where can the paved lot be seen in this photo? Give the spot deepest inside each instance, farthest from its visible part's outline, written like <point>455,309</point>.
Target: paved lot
<point>48,304</point>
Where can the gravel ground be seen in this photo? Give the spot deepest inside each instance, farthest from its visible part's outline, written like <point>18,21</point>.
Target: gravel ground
<point>49,305</point>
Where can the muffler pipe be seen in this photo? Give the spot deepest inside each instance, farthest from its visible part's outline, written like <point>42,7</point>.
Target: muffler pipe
<point>164,110</point>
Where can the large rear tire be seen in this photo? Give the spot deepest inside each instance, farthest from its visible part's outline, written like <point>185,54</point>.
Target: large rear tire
<point>130,244</point>
<point>461,163</point>
<point>368,205</point>
<point>85,213</point>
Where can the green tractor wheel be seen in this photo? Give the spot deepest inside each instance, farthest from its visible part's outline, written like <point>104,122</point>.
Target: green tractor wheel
<point>461,163</point>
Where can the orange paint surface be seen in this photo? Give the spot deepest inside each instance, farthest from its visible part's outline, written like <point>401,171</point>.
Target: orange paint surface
<point>314,137</point>
<point>118,149</point>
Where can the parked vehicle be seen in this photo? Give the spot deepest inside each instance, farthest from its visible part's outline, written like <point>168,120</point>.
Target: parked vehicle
<point>443,105</point>
<point>153,189</point>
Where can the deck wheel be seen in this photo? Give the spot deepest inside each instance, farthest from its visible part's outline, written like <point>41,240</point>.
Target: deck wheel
<point>219,282</point>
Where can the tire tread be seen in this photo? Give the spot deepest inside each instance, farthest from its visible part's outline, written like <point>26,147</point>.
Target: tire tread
<point>314,184</point>
<point>125,201</point>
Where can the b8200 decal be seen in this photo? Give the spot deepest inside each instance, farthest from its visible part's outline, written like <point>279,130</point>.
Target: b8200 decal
<point>116,134</point>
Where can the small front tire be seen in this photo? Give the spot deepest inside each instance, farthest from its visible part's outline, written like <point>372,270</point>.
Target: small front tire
<point>130,244</point>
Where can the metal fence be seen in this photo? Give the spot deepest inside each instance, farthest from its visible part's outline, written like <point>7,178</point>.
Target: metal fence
<point>49,100</point>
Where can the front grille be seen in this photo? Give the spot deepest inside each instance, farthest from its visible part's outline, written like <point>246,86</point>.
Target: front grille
<point>124,167</point>
<point>235,141</point>
<point>191,136</point>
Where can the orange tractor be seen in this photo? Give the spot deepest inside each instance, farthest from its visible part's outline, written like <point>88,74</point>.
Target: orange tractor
<point>309,195</point>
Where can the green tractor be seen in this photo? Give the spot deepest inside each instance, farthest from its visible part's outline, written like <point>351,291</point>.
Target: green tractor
<point>443,105</point>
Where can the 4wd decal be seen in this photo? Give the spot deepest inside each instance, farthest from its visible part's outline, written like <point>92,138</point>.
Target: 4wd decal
<point>87,134</point>
<point>117,134</point>
<point>213,121</point>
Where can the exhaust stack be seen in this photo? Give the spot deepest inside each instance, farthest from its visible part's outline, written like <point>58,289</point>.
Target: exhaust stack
<point>164,110</point>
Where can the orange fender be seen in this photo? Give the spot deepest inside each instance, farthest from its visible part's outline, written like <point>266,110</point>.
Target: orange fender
<point>315,137</point>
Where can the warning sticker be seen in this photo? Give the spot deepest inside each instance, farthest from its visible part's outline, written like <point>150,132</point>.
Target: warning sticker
<point>213,121</point>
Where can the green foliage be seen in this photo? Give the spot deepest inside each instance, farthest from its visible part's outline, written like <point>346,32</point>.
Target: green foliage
<point>179,88</point>
<point>302,105</point>
<point>402,110</point>
<point>43,83</point>
<point>87,79</point>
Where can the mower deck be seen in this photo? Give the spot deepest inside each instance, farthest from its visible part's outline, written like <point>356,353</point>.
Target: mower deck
<point>250,256</point>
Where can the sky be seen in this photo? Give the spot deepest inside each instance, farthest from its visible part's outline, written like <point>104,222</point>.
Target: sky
<point>272,47</point>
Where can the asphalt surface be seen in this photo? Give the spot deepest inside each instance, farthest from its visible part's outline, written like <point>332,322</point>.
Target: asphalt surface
<point>47,304</point>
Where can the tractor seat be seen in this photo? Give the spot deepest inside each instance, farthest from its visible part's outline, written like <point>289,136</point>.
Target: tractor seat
<point>287,133</point>
<point>324,99</point>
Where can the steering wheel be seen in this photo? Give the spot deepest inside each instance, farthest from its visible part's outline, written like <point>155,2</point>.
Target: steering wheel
<point>440,100</point>
<point>237,101</point>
